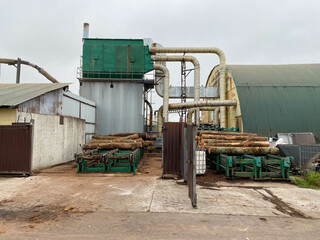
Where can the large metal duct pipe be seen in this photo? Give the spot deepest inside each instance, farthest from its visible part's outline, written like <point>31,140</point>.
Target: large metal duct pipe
<point>217,51</point>
<point>216,116</point>
<point>196,65</point>
<point>165,89</point>
<point>41,70</point>
<point>192,110</point>
<point>151,111</point>
<point>205,103</point>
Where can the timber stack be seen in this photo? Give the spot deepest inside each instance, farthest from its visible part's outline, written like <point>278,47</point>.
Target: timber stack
<point>120,141</point>
<point>234,143</point>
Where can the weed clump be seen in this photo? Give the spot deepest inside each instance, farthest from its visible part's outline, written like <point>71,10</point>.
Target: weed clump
<point>311,180</point>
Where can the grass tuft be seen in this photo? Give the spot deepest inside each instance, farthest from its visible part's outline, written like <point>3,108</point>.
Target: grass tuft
<point>311,180</point>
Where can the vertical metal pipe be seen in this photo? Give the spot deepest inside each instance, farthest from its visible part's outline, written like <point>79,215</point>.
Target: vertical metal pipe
<point>86,30</point>
<point>214,50</point>
<point>151,112</point>
<point>18,70</point>
<point>216,116</point>
<point>196,66</point>
<point>165,89</point>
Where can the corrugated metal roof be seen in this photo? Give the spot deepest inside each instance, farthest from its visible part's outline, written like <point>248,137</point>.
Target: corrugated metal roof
<point>279,98</point>
<point>276,75</point>
<point>12,95</point>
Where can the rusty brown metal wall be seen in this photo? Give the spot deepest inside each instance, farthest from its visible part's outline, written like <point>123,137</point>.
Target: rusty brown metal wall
<point>48,103</point>
<point>15,148</point>
<point>173,144</point>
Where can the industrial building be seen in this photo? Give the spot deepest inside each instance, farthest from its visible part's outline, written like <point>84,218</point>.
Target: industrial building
<point>112,75</point>
<point>53,121</point>
<point>271,98</point>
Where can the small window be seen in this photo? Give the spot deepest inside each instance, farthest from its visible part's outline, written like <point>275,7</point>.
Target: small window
<point>61,120</point>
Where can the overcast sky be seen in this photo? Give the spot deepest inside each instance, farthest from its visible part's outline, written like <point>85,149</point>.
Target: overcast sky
<point>49,33</point>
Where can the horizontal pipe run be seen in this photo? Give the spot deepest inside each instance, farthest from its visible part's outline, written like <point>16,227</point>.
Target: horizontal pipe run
<point>192,110</point>
<point>205,103</point>
<point>214,50</point>
<point>40,70</point>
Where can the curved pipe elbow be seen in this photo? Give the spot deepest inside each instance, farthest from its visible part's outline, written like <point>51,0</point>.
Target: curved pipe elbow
<point>40,70</point>
<point>215,50</point>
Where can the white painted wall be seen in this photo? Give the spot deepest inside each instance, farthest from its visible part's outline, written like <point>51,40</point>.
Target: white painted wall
<point>54,143</point>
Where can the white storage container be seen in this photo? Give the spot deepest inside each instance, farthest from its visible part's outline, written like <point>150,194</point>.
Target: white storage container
<point>200,161</point>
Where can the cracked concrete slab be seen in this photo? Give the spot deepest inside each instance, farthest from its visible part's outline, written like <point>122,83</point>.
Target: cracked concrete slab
<point>59,198</point>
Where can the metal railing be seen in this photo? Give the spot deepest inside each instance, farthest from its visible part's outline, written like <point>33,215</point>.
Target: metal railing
<point>110,73</point>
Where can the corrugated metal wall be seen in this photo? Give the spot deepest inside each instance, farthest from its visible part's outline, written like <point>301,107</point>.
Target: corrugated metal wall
<point>119,105</point>
<point>15,148</point>
<point>48,103</point>
<point>278,98</point>
<point>79,107</point>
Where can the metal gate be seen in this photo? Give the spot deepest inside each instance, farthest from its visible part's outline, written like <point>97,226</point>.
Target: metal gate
<point>191,175</point>
<point>172,148</point>
<point>15,148</point>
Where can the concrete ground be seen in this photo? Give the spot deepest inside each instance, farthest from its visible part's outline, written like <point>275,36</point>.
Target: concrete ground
<point>57,203</point>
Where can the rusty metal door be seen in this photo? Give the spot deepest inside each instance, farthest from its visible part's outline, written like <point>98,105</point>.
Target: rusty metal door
<point>191,175</point>
<point>15,148</point>
<point>172,148</point>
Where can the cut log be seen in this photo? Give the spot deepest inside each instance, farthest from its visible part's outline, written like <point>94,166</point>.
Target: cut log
<point>142,135</point>
<point>232,141</point>
<point>104,137</point>
<point>225,137</point>
<point>226,133</point>
<point>119,145</point>
<point>148,143</point>
<point>229,137</point>
<point>151,137</point>
<point>239,144</point>
<point>243,150</point>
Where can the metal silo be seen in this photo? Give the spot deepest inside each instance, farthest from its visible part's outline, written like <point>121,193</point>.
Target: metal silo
<point>112,75</point>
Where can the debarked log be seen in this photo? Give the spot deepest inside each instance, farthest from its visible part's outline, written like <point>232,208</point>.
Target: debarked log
<point>243,150</point>
<point>257,139</point>
<point>201,132</point>
<point>239,144</point>
<point>207,137</point>
<point>119,145</point>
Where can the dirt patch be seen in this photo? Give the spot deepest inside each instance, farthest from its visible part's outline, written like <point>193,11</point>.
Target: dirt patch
<point>64,169</point>
<point>4,201</point>
<point>280,205</point>
<point>211,176</point>
<point>211,188</point>
<point>151,165</point>
<point>40,213</point>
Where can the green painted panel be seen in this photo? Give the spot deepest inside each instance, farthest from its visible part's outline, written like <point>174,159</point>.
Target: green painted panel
<point>115,58</point>
<point>270,104</point>
<point>136,58</point>
<point>122,65</point>
<point>109,54</point>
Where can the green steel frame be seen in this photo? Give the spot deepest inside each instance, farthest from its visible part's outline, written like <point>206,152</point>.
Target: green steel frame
<point>256,167</point>
<point>276,167</point>
<point>110,161</point>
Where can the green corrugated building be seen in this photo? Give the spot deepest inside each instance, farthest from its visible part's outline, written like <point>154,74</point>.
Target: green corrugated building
<point>272,98</point>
